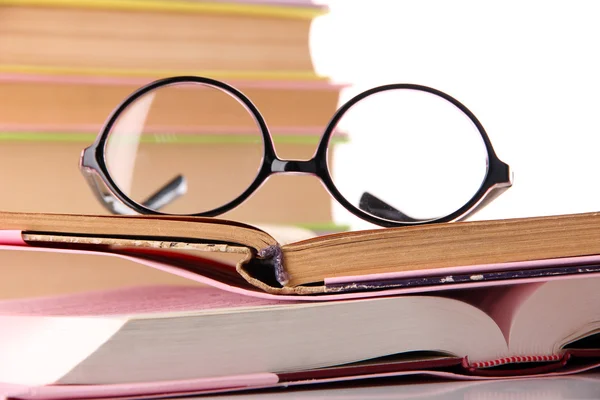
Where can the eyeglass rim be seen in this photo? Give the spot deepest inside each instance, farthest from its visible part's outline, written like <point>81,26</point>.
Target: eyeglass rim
<point>497,176</point>
<point>94,157</point>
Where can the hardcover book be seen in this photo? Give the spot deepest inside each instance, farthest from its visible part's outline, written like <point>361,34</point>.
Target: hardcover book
<point>98,37</point>
<point>340,262</point>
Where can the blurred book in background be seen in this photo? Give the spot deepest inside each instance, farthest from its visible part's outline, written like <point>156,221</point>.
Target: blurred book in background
<point>65,65</point>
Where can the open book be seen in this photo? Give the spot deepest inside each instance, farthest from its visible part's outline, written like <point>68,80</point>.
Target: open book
<point>150,340</point>
<point>485,252</point>
<point>468,300</point>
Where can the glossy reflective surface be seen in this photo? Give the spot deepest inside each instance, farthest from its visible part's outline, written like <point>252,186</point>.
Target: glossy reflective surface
<point>582,386</point>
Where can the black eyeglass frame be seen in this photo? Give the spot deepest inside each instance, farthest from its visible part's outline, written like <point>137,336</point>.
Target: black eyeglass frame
<point>93,164</point>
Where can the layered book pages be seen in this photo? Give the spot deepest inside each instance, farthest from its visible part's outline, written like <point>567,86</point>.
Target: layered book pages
<point>466,300</point>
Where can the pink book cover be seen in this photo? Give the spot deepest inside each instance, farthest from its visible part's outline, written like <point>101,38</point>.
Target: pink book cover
<point>190,267</point>
<point>223,294</point>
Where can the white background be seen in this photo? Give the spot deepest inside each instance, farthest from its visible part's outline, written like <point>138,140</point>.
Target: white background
<point>529,70</point>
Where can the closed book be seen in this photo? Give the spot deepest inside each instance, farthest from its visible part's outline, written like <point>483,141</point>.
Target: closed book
<point>156,37</point>
<point>341,262</point>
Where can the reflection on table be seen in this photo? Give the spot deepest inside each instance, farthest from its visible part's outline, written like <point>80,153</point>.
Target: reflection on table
<point>582,386</point>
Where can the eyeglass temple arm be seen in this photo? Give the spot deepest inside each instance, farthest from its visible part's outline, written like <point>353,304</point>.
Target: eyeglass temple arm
<point>173,189</point>
<point>105,196</point>
<point>168,193</point>
<point>375,206</point>
<point>379,208</point>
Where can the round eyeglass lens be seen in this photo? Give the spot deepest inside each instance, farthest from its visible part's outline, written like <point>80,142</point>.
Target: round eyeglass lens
<point>184,148</point>
<point>406,155</point>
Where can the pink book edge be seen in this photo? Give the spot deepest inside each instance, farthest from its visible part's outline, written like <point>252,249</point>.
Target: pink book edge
<point>566,261</point>
<point>15,242</point>
<point>51,392</point>
<point>12,238</point>
<point>116,81</point>
<point>178,130</point>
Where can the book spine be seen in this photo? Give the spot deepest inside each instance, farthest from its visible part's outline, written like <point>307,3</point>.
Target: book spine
<point>275,254</point>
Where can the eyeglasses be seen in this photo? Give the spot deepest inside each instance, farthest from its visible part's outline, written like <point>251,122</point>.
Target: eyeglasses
<point>398,154</point>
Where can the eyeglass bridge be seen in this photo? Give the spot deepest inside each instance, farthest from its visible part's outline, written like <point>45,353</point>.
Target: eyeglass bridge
<point>294,166</point>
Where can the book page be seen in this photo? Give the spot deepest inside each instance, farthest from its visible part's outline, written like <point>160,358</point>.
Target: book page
<point>555,314</point>
<point>501,303</point>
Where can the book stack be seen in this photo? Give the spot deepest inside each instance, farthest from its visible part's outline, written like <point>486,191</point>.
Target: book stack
<point>464,301</point>
<point>65,65</point>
